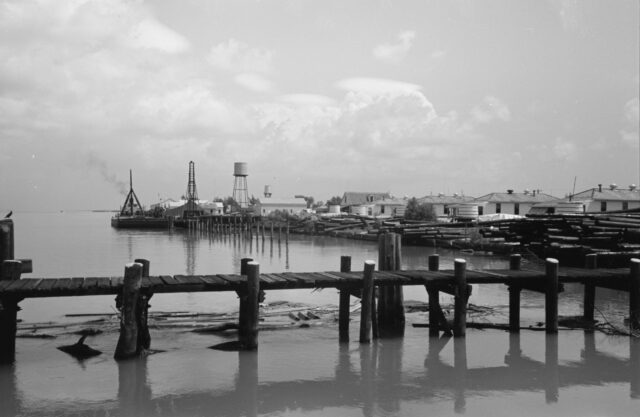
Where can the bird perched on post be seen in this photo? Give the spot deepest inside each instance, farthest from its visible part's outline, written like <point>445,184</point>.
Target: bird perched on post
<point>8,214</point>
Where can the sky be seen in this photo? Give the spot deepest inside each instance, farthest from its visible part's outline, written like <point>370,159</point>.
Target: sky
<point>317,97</point>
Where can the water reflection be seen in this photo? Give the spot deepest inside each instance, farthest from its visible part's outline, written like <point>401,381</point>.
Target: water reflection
<point>371,378</point>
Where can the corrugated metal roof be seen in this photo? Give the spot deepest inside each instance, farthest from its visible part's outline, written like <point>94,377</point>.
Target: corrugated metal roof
<point>607,194</point>
<point>516,198</point>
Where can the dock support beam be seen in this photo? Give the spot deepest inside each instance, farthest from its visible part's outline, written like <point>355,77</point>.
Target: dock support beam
<point>345,302</point>
<point>142,310</point>
<point>367,298</point>
<point>514,296</point>
<point>127,346</point>
<point>589,301</point>
<point>461,297</point>
<point>634,295</point>
<point>10,270</point>
<point>391,317</point>
<point>551,296</point>
<point>248,331</point>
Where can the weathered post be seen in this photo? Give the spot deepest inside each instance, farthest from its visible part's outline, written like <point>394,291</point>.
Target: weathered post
<point>634,295</point>
<point>345,301</point>
<point>589,302</point>
<point>514,296</point>
<point>460,300</point>
<point>248,331</point>
<point>435,310</point>
<point>271,235</point>
<point>367,297</point>
<point>127,346</point>
<point>551,296</point>
<point>144,338</point>
<point>243,295</point>
<point>9,270</point>
<point>391,317</point>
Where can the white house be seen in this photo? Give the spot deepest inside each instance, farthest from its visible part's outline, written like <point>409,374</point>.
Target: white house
<point>445,206</point>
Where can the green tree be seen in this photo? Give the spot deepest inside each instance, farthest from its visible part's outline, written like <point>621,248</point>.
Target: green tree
<point>419,211</point>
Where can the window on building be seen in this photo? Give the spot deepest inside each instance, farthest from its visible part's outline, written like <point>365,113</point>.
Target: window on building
<point>516,208</point>
<point>603,206</point>
<point>498,208</point>
<point>381,209</point>
<point>625,205</point>
<point>446,210</point>
<point>480,210</point>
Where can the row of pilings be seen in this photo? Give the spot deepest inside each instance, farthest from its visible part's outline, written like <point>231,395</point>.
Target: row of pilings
<point>247,226</point>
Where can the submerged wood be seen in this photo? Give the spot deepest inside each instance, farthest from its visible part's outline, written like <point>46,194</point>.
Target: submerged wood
<point>80,350</point>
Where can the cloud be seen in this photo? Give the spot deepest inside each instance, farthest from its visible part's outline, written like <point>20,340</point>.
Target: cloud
<point>254,82</point>
<point>307,99</point>
<point>376,86</point>
<point>151,34</point>
<point>395,52</point>
<point>564,150</point>
<point>237,56</point>
<point>491,109</point>
<point>630,133</point>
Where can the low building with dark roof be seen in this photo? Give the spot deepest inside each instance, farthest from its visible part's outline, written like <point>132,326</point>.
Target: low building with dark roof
<point>611,198</point>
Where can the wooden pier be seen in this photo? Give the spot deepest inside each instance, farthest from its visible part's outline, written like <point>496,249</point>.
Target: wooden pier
<point>137,286</point>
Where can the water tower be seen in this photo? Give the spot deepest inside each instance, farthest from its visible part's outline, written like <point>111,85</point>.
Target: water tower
<point>240,191</point>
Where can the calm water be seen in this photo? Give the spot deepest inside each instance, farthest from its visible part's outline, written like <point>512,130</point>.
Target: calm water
<point>299,372</point>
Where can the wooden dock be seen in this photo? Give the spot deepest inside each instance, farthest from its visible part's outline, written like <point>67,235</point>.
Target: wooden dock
<point>136,286</point>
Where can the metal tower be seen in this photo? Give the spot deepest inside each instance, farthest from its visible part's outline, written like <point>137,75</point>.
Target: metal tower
<point>240,191</point>
<point>192,194</point>
<point>131,204</point>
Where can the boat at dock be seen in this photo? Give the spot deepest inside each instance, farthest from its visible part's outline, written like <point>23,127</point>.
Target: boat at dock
<point>133,216</point>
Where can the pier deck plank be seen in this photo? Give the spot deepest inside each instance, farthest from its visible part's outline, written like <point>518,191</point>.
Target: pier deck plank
<point>78,286</point>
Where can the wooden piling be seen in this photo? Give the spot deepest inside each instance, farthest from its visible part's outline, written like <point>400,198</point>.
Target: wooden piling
<point>634,295</point>
<point>551,296</point>
<point>243,295</point>
<point>460,301</point>
<point>589,301</point>
<point>367,297</point>
<point>391,317</point>
<point>514,296</point>
<point>144,337</point>
<point>248,331</point>
<point>127,346</point>
<point>434,299</point>
<point>9,270</point>
<point>345,303</point>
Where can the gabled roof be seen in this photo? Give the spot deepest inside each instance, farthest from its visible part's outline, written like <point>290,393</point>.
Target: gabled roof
<point>445,199</point>
<point>390,202</point>
<point>353,198</point>
<point>608,194</point>
<point>516,198</point>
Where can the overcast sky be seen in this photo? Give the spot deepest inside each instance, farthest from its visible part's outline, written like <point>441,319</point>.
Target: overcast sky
<point>318,97</point>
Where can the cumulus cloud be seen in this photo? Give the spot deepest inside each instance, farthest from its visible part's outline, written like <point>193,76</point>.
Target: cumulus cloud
<point>237,56</point>
<point>491,109</point>
<point>396,51</point>
<point>151,34</point>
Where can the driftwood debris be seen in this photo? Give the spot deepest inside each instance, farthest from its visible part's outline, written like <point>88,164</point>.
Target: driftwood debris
<point>80,350</point>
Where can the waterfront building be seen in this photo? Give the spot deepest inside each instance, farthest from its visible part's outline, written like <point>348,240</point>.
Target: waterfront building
<point>446,206</point>
<point>612,198</point>
<point>511,202</point>
<point>353,201</point>
<point>268,205</point>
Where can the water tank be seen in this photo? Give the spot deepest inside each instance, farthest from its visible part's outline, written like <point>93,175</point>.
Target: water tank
<point>334,209</point>
<point>240,169</point>
<point>467,211</point>
<point>267,191</point>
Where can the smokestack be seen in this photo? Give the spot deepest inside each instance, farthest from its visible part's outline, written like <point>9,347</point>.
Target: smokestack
<point>599,188</point>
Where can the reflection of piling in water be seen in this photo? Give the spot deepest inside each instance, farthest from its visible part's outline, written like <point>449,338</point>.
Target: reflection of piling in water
<point>247,382</point>
<point>634,366</point>
<point>460,370</point>
<point>551,368</point>
<point>134,393</point>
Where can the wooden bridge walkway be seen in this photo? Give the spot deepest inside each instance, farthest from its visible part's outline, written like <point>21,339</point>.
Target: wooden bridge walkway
<point>617,279</point>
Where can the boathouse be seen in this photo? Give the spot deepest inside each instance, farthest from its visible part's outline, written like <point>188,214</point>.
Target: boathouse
<point>356,202</point>
<point>512,202</point>
<point>610,198</point>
